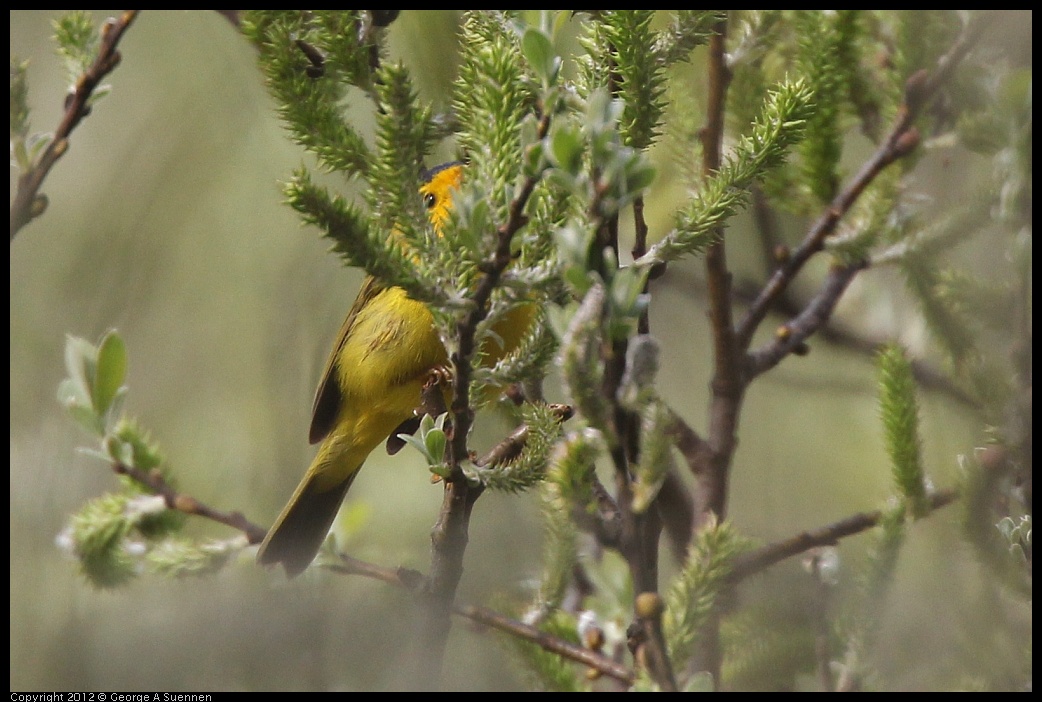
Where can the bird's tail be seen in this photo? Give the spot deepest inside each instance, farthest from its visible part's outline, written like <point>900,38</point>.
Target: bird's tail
<point>298,533</point>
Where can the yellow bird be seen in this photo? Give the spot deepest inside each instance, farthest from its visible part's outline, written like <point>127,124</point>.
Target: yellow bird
<point>372,383</point>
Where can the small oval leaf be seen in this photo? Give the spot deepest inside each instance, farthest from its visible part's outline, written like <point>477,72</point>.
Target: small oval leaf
<point>111,370</point>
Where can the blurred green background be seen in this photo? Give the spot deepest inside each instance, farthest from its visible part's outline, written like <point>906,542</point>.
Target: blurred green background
<point>166,222</point>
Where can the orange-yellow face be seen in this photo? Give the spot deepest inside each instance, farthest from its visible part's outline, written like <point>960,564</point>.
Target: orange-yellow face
<point>439,182</point>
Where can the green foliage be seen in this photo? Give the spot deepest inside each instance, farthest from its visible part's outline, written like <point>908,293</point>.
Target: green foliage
<point>19,107</point>
<point>899,410</point>
<point>572,467</point>
<point>628,57</point>
<point>580,359</point>
<point>548,671</point>
<point>310,106</point>
<point>637,392</point>
<point>528,360</point>
<point>692,597</point>
<point>688,29</point>
<point>528,468</point>
<point>823,38</point>
<point>25,147</point>
<point>780,125</point>
<point>354,237</point>
<point>93,393</point>
<point>560,547</point>
<point>97,533</point>
<point>656,460</point>
<point>77,42</point>
<point>404,134</point>
<point>180,558</point>
<point>559,151</point>
<point>639,74</point>
<point>430,440</point>
<point>114,536</point>
<point>494,93</point>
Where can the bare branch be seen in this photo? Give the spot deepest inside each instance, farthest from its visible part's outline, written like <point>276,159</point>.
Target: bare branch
<point>414,581</point>
<point>755,561</point>
<point>187,504</point>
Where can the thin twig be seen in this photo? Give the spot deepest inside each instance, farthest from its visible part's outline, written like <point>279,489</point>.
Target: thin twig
<point>901,140</point>
<point>415,582</point>
<point>548,642</point>
<point>755,561</point>
<point>792,335</point>
<point>187,504</point>
<point>28,203</point>
<point>925,376</point>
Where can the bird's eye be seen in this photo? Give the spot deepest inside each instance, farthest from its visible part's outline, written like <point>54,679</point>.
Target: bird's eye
<point>429,200</point>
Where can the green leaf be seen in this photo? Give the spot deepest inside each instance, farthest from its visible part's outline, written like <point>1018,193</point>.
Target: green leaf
<point>111,371</point>
<point>80,361</point>
<point>566,149</point>
<point>70,394</point>
<point>434,442</point>
<point>77,39</point>
<point>415,443</point>
<point>87,418</point>
<point>539,52</point>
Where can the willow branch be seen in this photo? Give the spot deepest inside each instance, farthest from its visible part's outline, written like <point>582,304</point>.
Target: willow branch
<point>727,386</point>
<point>154,482</point>
<point>548,642</point>
<point>925,376</point>
<point>449,536</point>
<point>755,561</point>
<point>414,581</point>
<point>902,139</point>
<point>28,203</point>
<point>792,335</point>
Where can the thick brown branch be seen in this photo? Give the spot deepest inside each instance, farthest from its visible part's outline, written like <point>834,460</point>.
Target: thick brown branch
<point>727,386</point>
<point>449,535</point>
